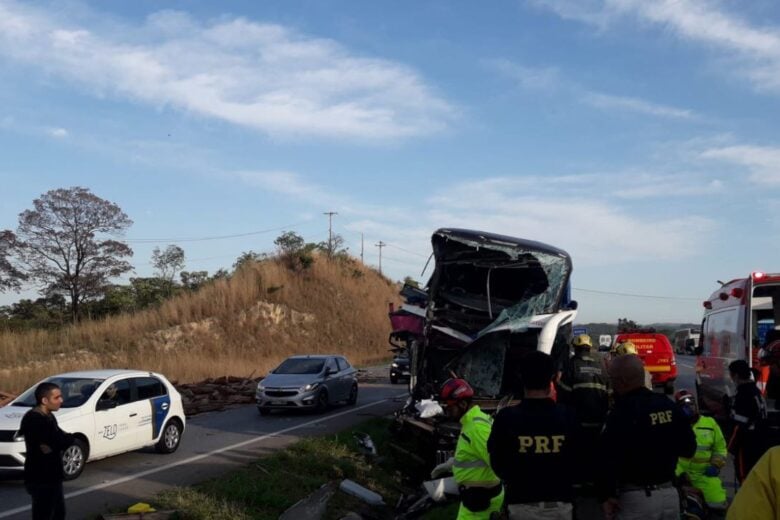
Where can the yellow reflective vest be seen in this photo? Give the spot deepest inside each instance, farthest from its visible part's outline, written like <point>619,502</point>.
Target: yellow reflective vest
<point>472,461</point>
<point>710,448</point>
<point>759,495</point>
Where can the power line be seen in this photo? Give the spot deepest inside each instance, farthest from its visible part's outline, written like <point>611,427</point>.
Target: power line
<point>632,295</point>
<point>216,237</point>
<point>407,251</point>
<point>380,245</point>
<point>330,230</point>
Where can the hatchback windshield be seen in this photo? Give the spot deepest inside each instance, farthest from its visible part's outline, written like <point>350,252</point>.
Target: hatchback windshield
<point>75,391</point>
<point>300,366</point>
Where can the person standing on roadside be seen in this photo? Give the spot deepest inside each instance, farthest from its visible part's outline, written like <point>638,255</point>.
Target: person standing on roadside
<point>44,443</point>
<point>583,385</point>
<point>747,413</point>
<point>532,447</point>
<point>643,438</point>
<point>481,493</point>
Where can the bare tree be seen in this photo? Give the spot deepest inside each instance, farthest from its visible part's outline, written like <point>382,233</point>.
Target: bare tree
<point>63,245</point>
<point>168,262</point>
<point>10,276</point>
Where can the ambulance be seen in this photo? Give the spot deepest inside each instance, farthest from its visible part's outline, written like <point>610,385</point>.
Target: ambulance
<point>738,320</point>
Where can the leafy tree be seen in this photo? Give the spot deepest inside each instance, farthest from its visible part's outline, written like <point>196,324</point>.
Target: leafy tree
<point>289,243</point>
<point>625,325</point>
<point>221,274</point>
<point>61,242</point>
<point>334,247</point>
<point>168,262</point>
<point>194,280</point>
<point>247,257</point>
<point>10,276</point>
<point>149,292</point>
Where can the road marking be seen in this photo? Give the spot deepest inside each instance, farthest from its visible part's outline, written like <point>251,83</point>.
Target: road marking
<point>202,456</point>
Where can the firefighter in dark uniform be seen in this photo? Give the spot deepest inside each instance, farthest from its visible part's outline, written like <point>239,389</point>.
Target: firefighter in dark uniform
<point>643,437</point>
<point>532,447</point>
<point>748,413</point>
<point>583,385</point>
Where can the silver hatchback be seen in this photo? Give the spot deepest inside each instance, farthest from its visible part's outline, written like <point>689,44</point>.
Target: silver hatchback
<point>313,382</point>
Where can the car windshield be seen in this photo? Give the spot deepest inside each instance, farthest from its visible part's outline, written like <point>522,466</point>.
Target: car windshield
<point>75,391</point>
<point>300,366</point>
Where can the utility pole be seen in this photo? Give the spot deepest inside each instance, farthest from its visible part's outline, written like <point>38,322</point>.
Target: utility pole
<point>361,249</point>
<point>330,231</point>
<point>380,245</point>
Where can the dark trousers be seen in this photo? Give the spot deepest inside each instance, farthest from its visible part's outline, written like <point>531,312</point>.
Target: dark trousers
<point>48,501</point>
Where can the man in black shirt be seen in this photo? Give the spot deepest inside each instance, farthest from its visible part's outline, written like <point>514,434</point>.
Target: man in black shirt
<point>643,437</point>
<point>44,442</point>
<point>531,447</point>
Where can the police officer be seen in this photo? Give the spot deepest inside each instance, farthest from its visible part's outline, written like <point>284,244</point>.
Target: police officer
<point>480,489</point>
<point>703,469</point>
<point>532,447</point>
<point>643,437</point>
<point>583,386</point>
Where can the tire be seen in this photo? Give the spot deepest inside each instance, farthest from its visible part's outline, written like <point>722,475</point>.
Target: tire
<point>322,401</point>
<point>393,380</point>
<point>170,437</point>
<point>264,411</point>
<point>353,395</point>
<point>74,458</point>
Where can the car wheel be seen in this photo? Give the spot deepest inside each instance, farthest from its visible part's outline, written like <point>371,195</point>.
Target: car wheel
<point>264,411</point>
<point>393,380</point>
<point>322,401</point>
<point>170,438</point>
<point>353,395</point>
<point>73,459</point>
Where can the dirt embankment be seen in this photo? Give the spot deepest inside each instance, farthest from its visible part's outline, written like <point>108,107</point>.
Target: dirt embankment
<point>242,326</point>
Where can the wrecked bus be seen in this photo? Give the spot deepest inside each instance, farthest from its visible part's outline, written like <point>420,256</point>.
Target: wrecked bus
<point>490,300</point>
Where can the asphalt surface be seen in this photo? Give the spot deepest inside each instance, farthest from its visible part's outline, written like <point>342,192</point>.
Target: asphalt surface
<point>212,444</point>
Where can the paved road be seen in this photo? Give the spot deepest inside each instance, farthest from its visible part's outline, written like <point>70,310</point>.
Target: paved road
<point>213,444</point>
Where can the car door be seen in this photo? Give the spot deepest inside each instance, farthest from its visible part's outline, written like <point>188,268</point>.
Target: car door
<point>115,424</point>
<point>156,404</point>
<point>334,380</point>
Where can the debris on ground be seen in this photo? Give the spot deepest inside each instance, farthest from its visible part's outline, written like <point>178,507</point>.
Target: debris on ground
<point>365,445</point>
<point>217,393</point>
<point>6,398</point>
<point>312,507</point>
<point>351,487</point>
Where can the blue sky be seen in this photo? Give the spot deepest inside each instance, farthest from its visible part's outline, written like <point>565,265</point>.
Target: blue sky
<point>639,136</point>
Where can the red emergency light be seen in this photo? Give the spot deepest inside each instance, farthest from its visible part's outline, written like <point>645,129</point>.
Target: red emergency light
<point>737,292</point>
<point>707,305</point>
<point>758,275</point>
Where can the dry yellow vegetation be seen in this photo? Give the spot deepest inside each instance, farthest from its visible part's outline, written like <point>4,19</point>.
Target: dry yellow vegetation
<point>239,326</point>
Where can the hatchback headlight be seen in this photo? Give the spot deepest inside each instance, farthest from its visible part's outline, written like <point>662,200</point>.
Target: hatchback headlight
<point>309,387</point>
<point>17,437</point>
<point>394,365</point>
<point>260,387</point>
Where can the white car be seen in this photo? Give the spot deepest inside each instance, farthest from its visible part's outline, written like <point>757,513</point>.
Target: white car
<point>109,412</point>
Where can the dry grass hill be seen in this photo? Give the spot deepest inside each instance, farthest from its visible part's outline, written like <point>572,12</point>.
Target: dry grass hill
<point>240,326</point>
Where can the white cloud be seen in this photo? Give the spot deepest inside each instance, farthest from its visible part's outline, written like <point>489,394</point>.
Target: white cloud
<point>262,76</point>
<point>57,133</point>
<point>762,162</point>
<point>633,104</point>
<point>755,50</point>
<point>549,79</point>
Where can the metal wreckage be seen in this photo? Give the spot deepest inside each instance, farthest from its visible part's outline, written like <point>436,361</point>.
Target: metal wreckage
<point>490,300</point>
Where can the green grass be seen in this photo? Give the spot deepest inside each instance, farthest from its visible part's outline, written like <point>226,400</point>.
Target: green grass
<point>266,488</point>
